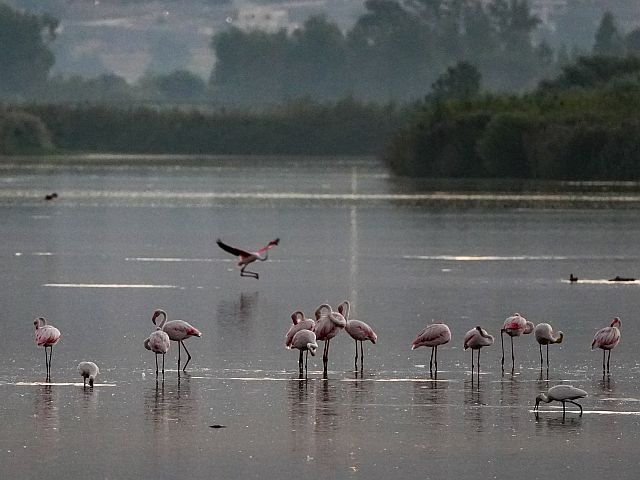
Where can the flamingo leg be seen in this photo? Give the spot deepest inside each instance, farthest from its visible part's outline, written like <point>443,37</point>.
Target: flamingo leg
<point>563,408</point>
<point>179,356</point>
<point>502,343</point>
<point>163,365</point>
<point>608,360</point>
<point>513,358</point>
<point>46,362</point>
<point>188,356</point>
<point>156,364</point>
<point>436,361</point>
<point>356,361</point>
<point>325,358</point>
<point>547,359</point>
<point>540,345</point>
<point>361,355</point>
<point>306,364</point>
<point>604,353</point>
<point>300,361</point>
<point>478,366</point>
<point>247,273</point>
<point>431,362</point>
<point>50,355</point>
<point>472,366</point>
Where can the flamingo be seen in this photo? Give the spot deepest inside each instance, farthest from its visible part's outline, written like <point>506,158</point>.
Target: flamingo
<point>304,340</point>
<point>159,342</point>
<point>328,325</point>
<point>607,338</point>
<point>358,330</point>
<point>561,393</point>
<point>178,331</point>
<point>475,339</point>
<point>514,326</point>
<point>46,336</point>
<point>544,336</point>
<point>299,323</point>
<point>432,336</point>
<point>247,257</point>
<point>88,370</point>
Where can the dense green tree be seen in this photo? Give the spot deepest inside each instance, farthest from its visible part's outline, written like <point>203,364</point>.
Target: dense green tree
<point>608,40</point>
<point>25,58</point>
<point>632,42</point>
<point>179,86</point>
<point>460,82</point>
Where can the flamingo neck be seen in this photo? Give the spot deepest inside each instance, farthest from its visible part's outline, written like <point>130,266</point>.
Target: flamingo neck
<point>345,309</point>
<point>156,314</point>
<point>324,306</point>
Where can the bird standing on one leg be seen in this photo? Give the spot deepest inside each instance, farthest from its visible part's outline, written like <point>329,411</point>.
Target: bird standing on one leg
<point>46,336</point>
<point>432,336</point>
<point>514,326</point>
<point>606,339</point>
<point>246,257</point>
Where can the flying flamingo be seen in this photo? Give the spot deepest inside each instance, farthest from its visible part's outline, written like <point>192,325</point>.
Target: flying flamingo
<point>544,336</point>
<point>159,342</point>
<point>88,370</point>
<point>475,339</point>
<point>299,323</point>
<point>328,324</point>
<point>607,338</point>
<point>46,336</point>
<point>247,257</point>
<point>178,331</point>
<point>514,326</point>
<point>561,393</point>
<point>358,330</point>
<point>432,336</point>
<point>304,340</point>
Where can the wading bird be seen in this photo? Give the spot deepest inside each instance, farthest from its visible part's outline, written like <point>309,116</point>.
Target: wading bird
<point>305,341</point>
<point>88,370</point>
<point>561,393</point>
<point>358,330</point>
<point>159,342</point>
<point>178,331</point>
<point>607,338</point>
<point>544,336</point>
<point>514,326</point>
<point>328,325</point>
<point>245,257</point>
<point>475,339</point>
<point>299,323</point>
<point>432,336</point>
<point>46,336</point>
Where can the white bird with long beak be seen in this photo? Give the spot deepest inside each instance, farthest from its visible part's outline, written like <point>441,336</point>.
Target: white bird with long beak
<point>88,370</point>
<point>563,394</point>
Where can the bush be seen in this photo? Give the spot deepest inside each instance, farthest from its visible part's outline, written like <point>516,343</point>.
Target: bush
<point>22,132</point>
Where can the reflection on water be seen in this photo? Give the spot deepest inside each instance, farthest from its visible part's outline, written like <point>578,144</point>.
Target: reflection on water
<point>238,310</point>
<point>46,413</point>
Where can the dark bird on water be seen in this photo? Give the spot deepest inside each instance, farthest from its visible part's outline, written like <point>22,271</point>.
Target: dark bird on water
<point>618,278</point>
<point>51,196</point>
<point>572,278</point>
<point>246,257</point>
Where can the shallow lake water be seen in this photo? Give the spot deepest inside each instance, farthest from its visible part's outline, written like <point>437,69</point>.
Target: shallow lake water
<point>137,234</point>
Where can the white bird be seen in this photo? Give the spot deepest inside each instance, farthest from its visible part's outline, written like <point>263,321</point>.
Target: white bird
<point>305,341</point>
<point>514,326</point>
<point>475,339</point>
<point>88,370</point>
<point>328,325</point>
<point>432,336</point>
<point>544,336</point>
<point>358,330</point>
<point>178,331</point>
<point>46,336</point>
<point>607,338</point>
<point>561,393</point>
<point>159,342</point>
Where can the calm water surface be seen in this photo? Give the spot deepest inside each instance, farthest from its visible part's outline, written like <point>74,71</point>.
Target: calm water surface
<point>121,240</point>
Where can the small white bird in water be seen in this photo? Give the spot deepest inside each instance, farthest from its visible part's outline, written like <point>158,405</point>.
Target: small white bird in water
<point>88,370</point>
<point>561,393</point>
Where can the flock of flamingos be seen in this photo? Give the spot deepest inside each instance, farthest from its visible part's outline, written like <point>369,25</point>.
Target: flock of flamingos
<point>304,334</point>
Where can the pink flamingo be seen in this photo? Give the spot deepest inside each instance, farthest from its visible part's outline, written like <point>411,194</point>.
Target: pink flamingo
<point>607,338</point>
<point>514,326</point>
<point>328,324</point>
<point>432,336</point>
<point>475,339</point>
<point>358,330</point>
<point>544,336</point>
<point>247,257</point>
<point>299,323</point>
<point>159,342</point>
<point>46,336</point>
<point>304,340</point>
<point>178,331</point>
